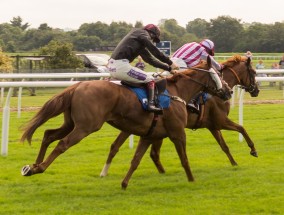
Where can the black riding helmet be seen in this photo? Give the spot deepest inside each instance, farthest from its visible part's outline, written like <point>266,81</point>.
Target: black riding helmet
<point>155,31</point>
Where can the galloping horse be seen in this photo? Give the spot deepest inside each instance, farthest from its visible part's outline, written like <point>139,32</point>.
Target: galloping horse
<point>88,105</point>
<point>214,117</point>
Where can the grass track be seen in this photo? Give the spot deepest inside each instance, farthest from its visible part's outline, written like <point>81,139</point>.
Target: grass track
<point>72,184</point>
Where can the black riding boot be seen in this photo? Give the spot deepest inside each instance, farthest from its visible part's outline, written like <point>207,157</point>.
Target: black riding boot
<point>151,102</point>
<point>193,106</point>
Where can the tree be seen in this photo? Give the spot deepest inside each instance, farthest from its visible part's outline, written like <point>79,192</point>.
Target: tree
<point>11,37</point>
<point>86,43</point>
<point>253,37</point>
<point>225,31</point>
<point>33,39</point>
<point>274,37</point>
<point>138,24</point>
<point>171,31</point>
<point>98,29</point>
<point>199,27</point>
<point>61,55</point>
<point>44,27</point>
<point>5,62</point>
<point>17,22</point>
<point>172,26</point>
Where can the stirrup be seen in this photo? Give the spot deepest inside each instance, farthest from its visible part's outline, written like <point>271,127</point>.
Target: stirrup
<point>193,108</point>
<point>152,108</point>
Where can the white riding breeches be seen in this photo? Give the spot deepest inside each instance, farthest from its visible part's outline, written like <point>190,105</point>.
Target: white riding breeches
<point>123,70</point>
<point>215,78</point>
<point>179,62</point>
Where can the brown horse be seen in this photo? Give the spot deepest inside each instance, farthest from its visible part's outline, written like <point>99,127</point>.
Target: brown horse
<point>88,105</point>
<point>214,114</point>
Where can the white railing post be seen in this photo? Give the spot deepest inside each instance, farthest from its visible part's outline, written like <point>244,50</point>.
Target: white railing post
<point>2,95</point>
<point>19,101</point>
<point>5,124</point>
<point>241,102</point>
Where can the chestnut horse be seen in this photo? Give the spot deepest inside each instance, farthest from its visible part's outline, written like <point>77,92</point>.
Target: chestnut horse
<point>88,105</point>
<point>214,114</point>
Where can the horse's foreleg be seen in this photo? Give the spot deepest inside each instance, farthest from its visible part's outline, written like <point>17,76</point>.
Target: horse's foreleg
<point>71,139</point>
<point>242,130</point>
<point>155,155</point>
<point>113,151</point>
<point>230,125</point>
<point>140,151</point>
<point>180,145</point>
<point>218,136</point>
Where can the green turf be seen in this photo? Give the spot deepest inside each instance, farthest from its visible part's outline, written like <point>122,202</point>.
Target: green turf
<point>71,185</point>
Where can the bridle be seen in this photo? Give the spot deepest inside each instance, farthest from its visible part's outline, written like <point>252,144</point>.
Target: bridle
<point>250,75</point>
<point>207,87</point>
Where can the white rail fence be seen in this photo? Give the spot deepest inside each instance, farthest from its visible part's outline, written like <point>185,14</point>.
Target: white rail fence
<point>21,84</point>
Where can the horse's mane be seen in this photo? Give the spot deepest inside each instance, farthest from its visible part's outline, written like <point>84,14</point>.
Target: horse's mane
<point>236,59</point>
<point>187,72</point>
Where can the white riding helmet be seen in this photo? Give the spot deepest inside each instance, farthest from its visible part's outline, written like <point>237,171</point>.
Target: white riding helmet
<point>208,45</point>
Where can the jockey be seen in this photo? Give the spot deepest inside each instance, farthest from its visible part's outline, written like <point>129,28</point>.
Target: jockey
<point>190,54</point>
<point>139,42</point>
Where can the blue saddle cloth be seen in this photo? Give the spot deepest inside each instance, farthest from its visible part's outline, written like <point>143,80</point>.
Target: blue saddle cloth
<point>163,100</point>
<point>204,96</point>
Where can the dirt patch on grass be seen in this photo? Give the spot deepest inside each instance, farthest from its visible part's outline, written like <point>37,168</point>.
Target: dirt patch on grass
<point>265,102</point>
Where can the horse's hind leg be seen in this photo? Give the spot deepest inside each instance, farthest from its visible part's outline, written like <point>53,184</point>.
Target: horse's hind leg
<point>54,134</point>
<point>113,151</point>
<point>140,151</point>
<point>218,136</point>
<point>49,137</point>
<point>180,145</point>
<point>155,155</point>
<point>71,139</point>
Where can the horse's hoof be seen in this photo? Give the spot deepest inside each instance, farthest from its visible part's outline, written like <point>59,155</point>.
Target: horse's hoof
<point>254,153</point>
<point>124,185</point>
<point>102,175</point>
<point>26,171</point>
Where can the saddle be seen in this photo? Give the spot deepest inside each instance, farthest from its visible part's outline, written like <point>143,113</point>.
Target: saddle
<point>160,85</point>
<point>161,96</point>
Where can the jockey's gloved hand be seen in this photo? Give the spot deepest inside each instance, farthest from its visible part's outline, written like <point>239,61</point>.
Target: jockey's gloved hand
<point>221,67</point>
<point>174,67</point>
<point>155,75</point>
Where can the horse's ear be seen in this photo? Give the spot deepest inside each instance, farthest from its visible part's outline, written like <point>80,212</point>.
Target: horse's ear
<point>248,61</point>
<point>209,61</point>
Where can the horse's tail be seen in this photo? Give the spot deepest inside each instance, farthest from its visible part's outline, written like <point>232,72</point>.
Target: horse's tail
<point>52,108</point>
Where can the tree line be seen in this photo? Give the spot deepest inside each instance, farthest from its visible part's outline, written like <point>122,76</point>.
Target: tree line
<point>228,33</point>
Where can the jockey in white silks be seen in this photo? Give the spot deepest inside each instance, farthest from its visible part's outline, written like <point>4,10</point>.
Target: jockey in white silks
<point>140,42</point>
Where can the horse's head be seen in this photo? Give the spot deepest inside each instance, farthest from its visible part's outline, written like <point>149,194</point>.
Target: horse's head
<point>243,74</point>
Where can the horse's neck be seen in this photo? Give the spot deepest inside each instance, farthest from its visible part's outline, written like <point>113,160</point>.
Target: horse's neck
<point>186,88</point>
<point>230,78</point>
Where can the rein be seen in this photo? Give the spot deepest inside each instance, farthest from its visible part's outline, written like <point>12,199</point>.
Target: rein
<point>248,89</point>
<point>235,74</point>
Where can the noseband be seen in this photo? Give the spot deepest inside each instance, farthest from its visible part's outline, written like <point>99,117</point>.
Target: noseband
<point>252,86</point>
